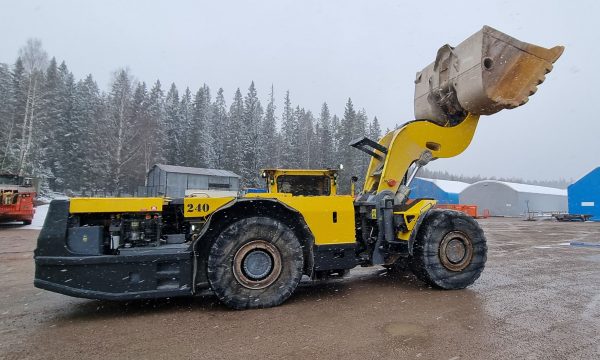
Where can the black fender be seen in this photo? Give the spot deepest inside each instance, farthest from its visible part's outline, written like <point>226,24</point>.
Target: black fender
<point>243,208</point>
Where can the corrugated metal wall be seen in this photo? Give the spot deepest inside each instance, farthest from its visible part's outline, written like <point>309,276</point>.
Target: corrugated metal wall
<point>161,183</point>
<point>502,200</point>
<point>584,195</point>
<point>499,199</point>
<point>426,189</point>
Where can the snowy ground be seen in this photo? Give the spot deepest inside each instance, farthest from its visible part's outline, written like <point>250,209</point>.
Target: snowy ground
<point>38,219</point>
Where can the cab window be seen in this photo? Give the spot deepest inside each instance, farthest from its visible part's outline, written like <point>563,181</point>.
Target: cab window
<point>304,185</point>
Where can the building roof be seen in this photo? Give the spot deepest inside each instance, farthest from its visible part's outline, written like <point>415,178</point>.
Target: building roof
<point>449,186</point>
<point>526,188</point>
<point>196,171</point>
<point>594,172</point>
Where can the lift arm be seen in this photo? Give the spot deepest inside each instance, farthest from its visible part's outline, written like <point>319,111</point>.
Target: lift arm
<point>407,144</point>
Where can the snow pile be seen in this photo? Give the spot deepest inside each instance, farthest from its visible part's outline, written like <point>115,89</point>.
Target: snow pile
<point>38,218</point>
<point>48,197</point>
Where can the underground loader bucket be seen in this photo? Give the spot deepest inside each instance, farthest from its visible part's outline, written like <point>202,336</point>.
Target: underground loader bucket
<point>484,74</point>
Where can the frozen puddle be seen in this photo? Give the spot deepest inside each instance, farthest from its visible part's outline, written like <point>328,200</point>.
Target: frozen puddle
<point>584,244</point>
<point>552,246</point>
<point>571,243</point>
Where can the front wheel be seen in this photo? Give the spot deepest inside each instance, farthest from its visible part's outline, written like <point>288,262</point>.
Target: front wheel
<point>255,262</point>
<point>450,250</point>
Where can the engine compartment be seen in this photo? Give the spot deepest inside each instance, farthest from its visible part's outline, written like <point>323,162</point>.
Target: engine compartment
<point>111,233</point>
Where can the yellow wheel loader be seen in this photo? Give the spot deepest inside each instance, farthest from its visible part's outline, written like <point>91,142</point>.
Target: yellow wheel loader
<point>252,250</point>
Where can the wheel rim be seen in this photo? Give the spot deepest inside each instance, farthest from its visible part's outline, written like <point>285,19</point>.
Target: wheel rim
<point>257,264</point>
<point>456,251</point>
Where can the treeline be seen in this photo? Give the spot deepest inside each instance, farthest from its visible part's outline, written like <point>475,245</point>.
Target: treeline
<point>79,139</point>
<point>444,175</point>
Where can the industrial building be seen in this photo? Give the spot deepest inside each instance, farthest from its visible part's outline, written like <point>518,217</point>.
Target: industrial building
<point>511,199</point>
<point>180,181</point>
<point>444,191</point>
<point>584,195</point>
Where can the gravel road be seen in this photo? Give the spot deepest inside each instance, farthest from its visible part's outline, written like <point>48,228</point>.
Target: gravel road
<point>538,298</point>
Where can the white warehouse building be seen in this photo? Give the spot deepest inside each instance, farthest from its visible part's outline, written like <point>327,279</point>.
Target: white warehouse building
<point>511,199</point>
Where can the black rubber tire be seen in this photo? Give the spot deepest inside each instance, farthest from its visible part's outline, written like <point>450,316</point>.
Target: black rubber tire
<point>26,222</point>
<point>220,267</point>
<point>426,263</point>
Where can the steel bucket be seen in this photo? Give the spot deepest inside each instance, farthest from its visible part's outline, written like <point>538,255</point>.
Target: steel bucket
<point>484,74</point>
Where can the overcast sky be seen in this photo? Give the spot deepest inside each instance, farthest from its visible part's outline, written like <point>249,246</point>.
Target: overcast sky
<point>332,50</point>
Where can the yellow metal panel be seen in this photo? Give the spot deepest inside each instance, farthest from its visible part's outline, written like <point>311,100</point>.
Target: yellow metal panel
<point>411,216</point>
<point>114,205</point>
<point>406,144</point>
<point>318,212</point>
<point>202,207</point>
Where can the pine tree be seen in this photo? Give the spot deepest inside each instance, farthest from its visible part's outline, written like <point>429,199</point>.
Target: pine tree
<point>361,160</point>
<point>306,140</point>
<point>325,148</point>
<point>6,110</point>
<point>72,132</point>
<point>209,135</point>
<point>336,135</point>
<point>374,130</point>
<point>270,156</point>
<point>153,130</point>
<point>250,138</point>
<point>139,121</point>
<point>289,134</point>
<point>173,141</point>
<point>122,132</point>
<point>347,154</point>
<point>188,155</point>
<point>202,140</point>
<point>55,147</point>
<point>18,105</point>
<point>219,130</point>
<point>92,149</point>
<point>233,145</point>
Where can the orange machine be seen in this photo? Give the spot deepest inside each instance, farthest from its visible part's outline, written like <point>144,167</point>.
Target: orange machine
<point>470,210</point>
<point>16,198</point>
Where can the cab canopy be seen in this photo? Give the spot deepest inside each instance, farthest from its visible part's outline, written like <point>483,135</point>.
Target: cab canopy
<point>301,182</point>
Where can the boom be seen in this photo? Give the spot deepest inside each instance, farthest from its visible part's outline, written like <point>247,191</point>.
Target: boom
<point>406,145</point>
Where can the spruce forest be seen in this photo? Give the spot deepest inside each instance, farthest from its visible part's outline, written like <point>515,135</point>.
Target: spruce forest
<point>78,139</point>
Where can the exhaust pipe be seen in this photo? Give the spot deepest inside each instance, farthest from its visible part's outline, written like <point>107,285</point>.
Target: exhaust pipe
<point>484,74</point>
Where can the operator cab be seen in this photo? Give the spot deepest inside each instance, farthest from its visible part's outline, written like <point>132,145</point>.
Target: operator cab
<point>301,182</point>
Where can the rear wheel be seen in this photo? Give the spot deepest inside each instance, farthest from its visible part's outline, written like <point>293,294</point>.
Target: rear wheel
<point>26,222</point>
<point>255,263</point>
<point>450,250</point>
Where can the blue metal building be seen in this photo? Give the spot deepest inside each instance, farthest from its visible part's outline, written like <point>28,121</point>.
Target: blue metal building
<point>584,195</point>
<point>444,191</point>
